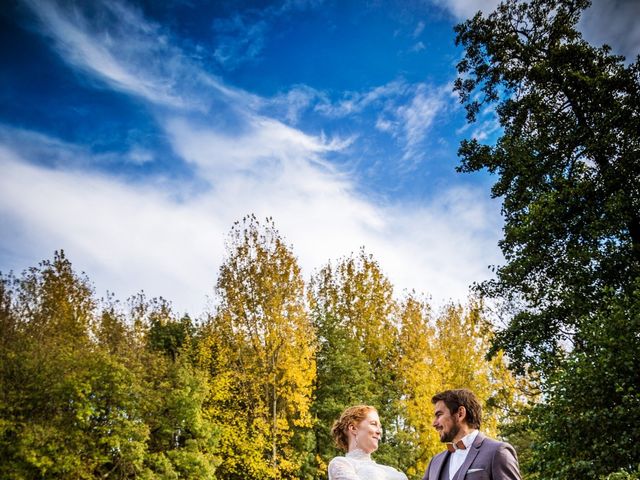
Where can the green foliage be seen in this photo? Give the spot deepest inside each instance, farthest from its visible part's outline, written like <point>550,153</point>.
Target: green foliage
<point>596,393</point>
<point>94,389</point>
<point>624,475</point>
<point>566,166</point>
<point>68,408</point>
<point>567,169</point>
<point>263,328</point>
<point>81,395</point>
<point>354,311</point>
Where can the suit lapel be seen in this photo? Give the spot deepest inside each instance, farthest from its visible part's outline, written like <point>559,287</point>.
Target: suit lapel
<point>471,456</point>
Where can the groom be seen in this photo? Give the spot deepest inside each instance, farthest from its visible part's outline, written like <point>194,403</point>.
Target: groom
<point>470,454</point>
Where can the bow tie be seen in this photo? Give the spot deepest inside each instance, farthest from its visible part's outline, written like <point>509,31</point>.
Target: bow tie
<point>459,445</point>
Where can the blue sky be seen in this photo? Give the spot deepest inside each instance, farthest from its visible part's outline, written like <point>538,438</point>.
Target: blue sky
<point>133,134</point>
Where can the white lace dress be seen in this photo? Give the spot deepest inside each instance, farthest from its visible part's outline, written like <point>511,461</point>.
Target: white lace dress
<point>358,465</point>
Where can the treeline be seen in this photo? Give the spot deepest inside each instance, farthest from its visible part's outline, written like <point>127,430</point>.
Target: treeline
<point>101,389</point>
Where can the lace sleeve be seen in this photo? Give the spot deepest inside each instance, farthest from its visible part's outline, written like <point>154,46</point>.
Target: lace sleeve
<point>341,469</point>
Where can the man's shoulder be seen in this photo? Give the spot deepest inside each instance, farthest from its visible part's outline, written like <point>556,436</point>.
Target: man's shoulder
<point>488,440</point>
<point>484,441</point>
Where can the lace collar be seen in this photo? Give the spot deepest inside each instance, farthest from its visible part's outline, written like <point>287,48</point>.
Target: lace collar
<point>359,454</point>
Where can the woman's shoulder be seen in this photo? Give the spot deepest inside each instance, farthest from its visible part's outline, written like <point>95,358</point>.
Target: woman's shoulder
<point>340,467</point>
<point>339,460</point>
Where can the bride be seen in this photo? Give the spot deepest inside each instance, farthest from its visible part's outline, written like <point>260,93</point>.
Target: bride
<point>358,432</point>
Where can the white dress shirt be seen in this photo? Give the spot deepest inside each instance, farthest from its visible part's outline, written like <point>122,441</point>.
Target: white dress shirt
<point>458,457</point>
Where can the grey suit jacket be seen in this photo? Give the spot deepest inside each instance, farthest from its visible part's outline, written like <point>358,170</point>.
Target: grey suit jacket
<point>487,459</point>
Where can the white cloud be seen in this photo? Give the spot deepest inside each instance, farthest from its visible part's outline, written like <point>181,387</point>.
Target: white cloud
<point>406,111</point>
<point>103,50</point>
<point>140,156</point>
<point>614,23</point>
<point>127,237</point>
<point>441,247</point>
<point>417,118</point>
<point>167,238</point>
<point>291,104</point>
<point>263,147</point>
<point>242,37</point>
<point>463,9</point>
<point>356,102</point>
<point>133,55</point>
<point>238,40</point>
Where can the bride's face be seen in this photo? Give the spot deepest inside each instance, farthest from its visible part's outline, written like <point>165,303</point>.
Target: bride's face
<point>367,433</point>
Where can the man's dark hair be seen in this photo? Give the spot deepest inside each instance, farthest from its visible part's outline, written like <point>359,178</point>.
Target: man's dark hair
<point>454,399</point>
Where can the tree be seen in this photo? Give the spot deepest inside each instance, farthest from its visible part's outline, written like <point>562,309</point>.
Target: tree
<point>355,316</point>
<point>595,396</point>
<point>344,376</point>
<point>419,381</point>
<point>183,438</point>
<point>568,171</point>
<point>267,337</point>
<point>68,408</point>
<point>86,393</point>
<point>441,353</point>
<point>567,167</point>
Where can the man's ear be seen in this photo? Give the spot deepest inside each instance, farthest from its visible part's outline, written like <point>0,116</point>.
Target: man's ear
<point>462,413</point>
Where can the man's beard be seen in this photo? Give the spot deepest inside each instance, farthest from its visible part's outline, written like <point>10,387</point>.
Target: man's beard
<point>451,434</point>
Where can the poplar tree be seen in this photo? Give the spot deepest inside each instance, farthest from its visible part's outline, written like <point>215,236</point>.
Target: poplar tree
<point>419,381</point>
<point>354,311</point>
<point>344,376</point>
<point>263,328</point>
<point>443,352</point>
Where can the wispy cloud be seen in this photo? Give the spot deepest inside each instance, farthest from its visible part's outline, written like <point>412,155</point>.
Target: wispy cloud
<point>241,37</point>
<point>357,102</point>
<point>292,104</point>
<point>419,29</point>
<point>418,47</point>
<point>238,40</point>
<point>405,111</point>
<point>132,54</point>
<point>167,237</point>
<point>130,237</point>
<point>417,119</point>
<point>264,146</point>
<point>111,47</point>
